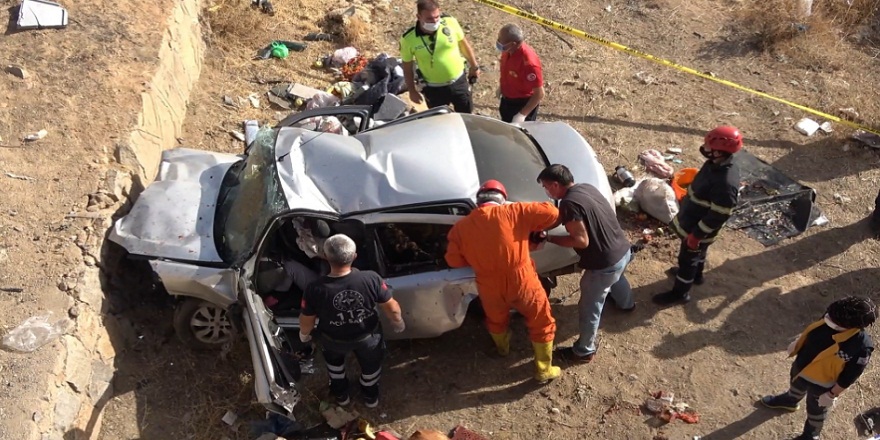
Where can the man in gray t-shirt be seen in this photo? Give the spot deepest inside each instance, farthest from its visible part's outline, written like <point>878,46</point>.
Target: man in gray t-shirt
<point>595,234</point>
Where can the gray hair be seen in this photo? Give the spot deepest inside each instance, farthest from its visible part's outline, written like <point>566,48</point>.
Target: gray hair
<point>340,250</point>
<point>513,32</point>
<point>490,196</point>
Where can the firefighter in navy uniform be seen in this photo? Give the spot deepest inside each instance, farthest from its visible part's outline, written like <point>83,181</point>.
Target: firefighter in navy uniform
<point>830,355</point>
<point>709,203</point>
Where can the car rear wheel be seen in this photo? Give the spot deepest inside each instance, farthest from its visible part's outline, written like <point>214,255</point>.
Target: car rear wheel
<point>202,325</point>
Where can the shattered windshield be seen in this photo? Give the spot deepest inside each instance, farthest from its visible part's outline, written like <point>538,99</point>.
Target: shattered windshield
<point>249,197</point>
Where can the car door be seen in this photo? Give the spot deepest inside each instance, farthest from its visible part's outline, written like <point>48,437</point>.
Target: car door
<point>409,253</point>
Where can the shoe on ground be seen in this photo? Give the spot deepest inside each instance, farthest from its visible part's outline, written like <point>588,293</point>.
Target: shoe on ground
<point>806,436</point>
<point>371,402</point>
<point>780,402</point>
<point>343,400</point>
<point>568,354</point>
<point>673,271</point>
<point>670,298</point>
<point>629,310</point>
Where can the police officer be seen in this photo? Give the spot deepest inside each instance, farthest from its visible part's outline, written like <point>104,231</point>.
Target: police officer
<point>436,45</point>
<point>522,81</point>
<point>709,203</point>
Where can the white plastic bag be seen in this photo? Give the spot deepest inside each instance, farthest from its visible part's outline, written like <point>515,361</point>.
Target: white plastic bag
<point>657,198</point>
<point>35,332</point>
<point>344,55</point>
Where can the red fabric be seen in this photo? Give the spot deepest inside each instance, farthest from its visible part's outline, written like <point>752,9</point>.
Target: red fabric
<point>520,72</point>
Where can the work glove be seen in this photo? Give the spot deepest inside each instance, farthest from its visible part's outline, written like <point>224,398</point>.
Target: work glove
<point>305,338</point>
<point>518,118</point>
<point>827,400</point>
<point>398,326</point>
<point>693,242</point>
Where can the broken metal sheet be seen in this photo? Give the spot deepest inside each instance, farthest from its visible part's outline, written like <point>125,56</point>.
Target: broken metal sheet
<point>772,206</point>
<point>391,166</point>
<point>174,216</point>
<point>41,14</point>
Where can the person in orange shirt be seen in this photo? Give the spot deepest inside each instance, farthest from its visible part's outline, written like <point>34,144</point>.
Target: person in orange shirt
<point>494,240</point>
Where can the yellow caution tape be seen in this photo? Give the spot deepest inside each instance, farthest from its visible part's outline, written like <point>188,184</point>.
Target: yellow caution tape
<point>581,34</point>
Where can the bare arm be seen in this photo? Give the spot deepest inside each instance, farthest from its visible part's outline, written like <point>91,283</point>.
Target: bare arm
<point>409,77</point>
<point>306,324</point>
<point>534,100</point>
<point>465,46</point>
<point>391,309</point>
<point>576,238</point>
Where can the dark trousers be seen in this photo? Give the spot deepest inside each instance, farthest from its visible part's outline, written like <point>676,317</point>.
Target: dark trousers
<point>877,207</point>
<point>369,353</point>
<point>509,107</point>
<point>690,266</point>
<point>458,94</point>
<point>816,414</point>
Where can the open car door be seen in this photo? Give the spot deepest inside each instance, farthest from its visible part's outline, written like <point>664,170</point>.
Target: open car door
<point>276,369</point>
<point>409,250</point>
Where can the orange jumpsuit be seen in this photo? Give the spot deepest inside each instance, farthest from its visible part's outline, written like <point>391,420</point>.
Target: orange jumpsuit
<point>494,241</point>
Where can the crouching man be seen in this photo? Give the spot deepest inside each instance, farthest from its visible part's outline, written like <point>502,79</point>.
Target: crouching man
<point>345,301</point>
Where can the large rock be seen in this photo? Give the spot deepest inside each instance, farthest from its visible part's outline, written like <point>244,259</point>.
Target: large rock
<point>78,367</point>
<point>101,387</point>
<point>67,406</point>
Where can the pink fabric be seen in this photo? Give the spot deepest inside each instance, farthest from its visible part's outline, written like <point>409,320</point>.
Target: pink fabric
<point>655,164</point>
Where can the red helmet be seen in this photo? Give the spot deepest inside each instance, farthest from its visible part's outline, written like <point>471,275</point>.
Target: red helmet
<point>493,185</point>
<point>724,138</point>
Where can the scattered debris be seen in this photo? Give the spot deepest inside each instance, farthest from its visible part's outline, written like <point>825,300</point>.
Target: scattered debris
<point>806,126</point>
<point>254,100</point>
<point>825,127</point>
<point>555,411</point>
<point>17,71</point>
<point>655,164</point>
<point>841,199</point>
<point>228,101</point>
<point>849,113</point>
<point>645,79</point>
<point>229,418</point>
<point>318,36</point>
<point>608,8</point>
<point>36,136</point>
<point>337,417</point>
<point>870,139</point>
<point>237,135</point>
<point>569,82</point>
<point>661,405</point>
<point>35,332</point>
<point>19,176</point>
<point>41,14</point>
<point>280,49</point>
<point>275,424</point>
<point>673,150</point>
<point>11,289</point>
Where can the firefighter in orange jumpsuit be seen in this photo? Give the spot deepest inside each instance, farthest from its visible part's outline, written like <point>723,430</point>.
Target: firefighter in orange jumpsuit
<point>494,240</point>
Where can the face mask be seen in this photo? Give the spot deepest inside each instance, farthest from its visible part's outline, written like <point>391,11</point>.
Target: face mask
<point>499,47</point>
<point>430,27</point>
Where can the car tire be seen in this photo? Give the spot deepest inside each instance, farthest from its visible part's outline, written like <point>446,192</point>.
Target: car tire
<point>202,325</point>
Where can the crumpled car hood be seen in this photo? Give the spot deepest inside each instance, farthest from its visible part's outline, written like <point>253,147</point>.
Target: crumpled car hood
<point>174,217</point>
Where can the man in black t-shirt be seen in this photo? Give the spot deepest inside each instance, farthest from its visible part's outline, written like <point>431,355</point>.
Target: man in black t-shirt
<point>596,236</point>
<point>344,305</point>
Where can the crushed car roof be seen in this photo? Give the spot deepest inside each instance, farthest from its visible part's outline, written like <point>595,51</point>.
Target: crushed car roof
<point>422,161</point>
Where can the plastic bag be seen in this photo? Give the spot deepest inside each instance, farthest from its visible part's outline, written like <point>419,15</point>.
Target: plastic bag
<point>35,332</point>
<point>342,56</point>
<point>657,198</point>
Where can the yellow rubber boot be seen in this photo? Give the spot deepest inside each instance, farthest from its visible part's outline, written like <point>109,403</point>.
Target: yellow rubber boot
<point>502,342</point>
<point>544,370</point>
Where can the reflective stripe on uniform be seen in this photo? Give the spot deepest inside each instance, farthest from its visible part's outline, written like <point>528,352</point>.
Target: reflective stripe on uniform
<point>705,228</point>
<point>721,209</point>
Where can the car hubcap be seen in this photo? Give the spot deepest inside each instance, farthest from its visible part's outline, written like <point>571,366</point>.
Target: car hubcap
<point>210,324</point>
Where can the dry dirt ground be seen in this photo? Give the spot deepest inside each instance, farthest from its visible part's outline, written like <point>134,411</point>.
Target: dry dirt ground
<point>719,353</point>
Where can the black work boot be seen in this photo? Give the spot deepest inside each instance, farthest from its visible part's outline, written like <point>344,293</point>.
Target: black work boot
<point>678,295</point>
<point>782,401</point>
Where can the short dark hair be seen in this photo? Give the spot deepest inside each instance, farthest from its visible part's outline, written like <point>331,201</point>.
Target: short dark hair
<point>427,5</point>
<point>853,312</point>
<point>556,173</point>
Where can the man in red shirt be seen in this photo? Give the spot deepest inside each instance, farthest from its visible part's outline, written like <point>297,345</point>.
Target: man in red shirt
<point>522,82</point>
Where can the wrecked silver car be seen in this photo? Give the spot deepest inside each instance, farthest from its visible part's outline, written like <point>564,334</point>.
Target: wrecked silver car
<point>220,230</point>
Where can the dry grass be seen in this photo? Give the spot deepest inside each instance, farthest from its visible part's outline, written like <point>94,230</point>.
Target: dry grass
<point>357,33</point>
<point>780,27</point>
